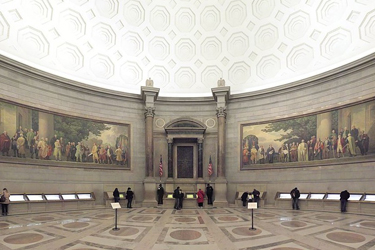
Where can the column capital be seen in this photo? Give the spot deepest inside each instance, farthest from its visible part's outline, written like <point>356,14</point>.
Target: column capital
<point>221,112</point>
<point>170,140</point>
<point>200,140</point>
<point>149,112</point>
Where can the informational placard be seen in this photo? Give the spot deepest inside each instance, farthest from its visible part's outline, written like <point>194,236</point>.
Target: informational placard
<point>252,205</point>
<point>115,205</point>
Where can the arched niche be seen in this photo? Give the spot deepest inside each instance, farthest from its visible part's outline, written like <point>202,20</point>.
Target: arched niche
<point>185,148</point>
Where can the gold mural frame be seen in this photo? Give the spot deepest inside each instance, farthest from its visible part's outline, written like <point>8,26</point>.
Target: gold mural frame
<point>284,165</point>
<point>84,165</point>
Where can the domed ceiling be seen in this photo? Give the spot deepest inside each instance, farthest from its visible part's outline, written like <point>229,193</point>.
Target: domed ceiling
<point>185,46</point>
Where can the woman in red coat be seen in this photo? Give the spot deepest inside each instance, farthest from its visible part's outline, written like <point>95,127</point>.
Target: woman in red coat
<point>200,198</point>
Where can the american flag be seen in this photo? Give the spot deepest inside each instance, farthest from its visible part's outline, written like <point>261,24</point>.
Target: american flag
<point>161,167</point>
<point>210,171</point>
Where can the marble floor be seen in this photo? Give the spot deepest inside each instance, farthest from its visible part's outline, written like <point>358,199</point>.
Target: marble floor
<point>197,229</point>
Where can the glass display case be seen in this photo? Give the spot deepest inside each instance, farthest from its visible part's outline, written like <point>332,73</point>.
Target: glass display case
<point>369,197</point>
<point>284,196</point>
<point>304,196</point>
<point>52,197</point>
<point>355,197</point>
<point>190,196</point>
<point>317,196</point>
<point>333,197</point>
<point>35,197</point>
<point>86,196</point>
<point>17,197</point>
<point>69,197</point>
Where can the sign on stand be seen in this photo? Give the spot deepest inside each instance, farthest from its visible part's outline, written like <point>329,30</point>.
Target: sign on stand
<point>115,206</point>
<point>252,206</point>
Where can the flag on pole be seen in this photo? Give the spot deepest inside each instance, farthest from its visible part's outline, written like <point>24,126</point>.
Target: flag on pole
<point>161,167</point>
<point>210,171</point>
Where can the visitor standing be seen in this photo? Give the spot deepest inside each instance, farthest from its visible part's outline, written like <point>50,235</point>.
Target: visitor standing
<point>256,195</point>
<point>176,196</point>
<point>200,198</point>
<point>5,202</point>
<point>160,194</point>
<point>210,193</point>
<point>344,196</point>
<point>129,197</point>
<point>116,195</point>
<point>295,194</point>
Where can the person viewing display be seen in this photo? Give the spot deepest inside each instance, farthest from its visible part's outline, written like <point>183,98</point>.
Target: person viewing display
<point>129,197</point>
<point>295,194</point>
<point>200,198</point>
<point>245,198</point>
<point>209,192</point>
<point>116,195</point>
<point>5,202</point>
<point>160,194</point>
<point>344,196</point>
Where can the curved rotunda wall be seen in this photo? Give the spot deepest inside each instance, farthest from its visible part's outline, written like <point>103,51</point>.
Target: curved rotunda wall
<point>352,85</point>
<point>21,86</point>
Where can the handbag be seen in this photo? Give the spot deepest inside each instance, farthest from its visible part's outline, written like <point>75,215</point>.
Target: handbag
<point>2,198</point>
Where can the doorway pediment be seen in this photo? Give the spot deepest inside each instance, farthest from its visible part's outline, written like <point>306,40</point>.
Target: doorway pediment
<point>185,127</point>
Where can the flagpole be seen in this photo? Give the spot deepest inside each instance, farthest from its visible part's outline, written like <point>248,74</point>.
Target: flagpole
<point>209,170</point>
<point>160,168</point>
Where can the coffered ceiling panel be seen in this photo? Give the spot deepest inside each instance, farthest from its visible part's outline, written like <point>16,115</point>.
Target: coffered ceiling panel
<point>185,46</point>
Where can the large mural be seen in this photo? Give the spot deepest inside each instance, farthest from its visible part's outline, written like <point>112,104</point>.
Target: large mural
<point>39,136</point>
<point>345,132</point>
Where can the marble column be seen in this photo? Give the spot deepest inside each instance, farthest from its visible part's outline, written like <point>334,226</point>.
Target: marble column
<point>149,95</point>
<point>170,158</point>
<point>221,95</point>
<point>221,115</point>
<point>200,158</point>
<point>149,120</point>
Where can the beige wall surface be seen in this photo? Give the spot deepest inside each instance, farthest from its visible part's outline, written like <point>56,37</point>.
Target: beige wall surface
<point>31,88</point>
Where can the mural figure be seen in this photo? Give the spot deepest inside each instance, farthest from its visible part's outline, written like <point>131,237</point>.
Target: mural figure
<point>4,143</point>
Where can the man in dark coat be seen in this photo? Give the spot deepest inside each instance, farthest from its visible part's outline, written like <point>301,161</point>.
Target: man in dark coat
<point>244,198</point>
<point>160,193</point>
<point>295,194</point>
<point>209,192</point>
<point>116,195</point>
<point>344,196</point>
<point>181,197</point>
<point>176,196</point>
<point>256,195</point>
<point>129,197</point>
